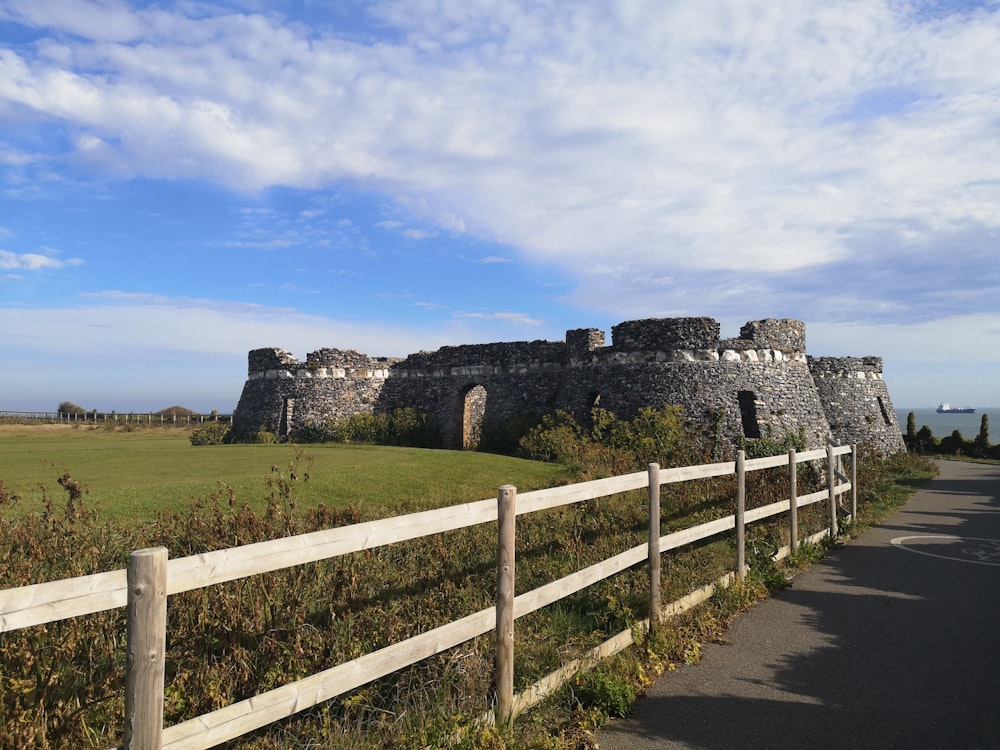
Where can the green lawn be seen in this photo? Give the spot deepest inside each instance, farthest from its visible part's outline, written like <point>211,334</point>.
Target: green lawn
<point>138,474</point>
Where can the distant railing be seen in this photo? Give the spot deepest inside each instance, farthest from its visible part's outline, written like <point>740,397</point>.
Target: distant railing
<point>150,578</point>
<point>113,416</point>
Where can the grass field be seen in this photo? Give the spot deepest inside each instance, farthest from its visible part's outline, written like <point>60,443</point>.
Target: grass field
<point>245,637</point>
<point>137,474</point>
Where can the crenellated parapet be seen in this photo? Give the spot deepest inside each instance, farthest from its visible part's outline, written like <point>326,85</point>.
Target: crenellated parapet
<point>759,383</point>
<point>853,368</point>
<point>270,360</point>
<point>278,364</point>
<point>690,340</point>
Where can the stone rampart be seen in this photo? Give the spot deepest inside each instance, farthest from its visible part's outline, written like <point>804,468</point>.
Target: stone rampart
<point>856,400</point>
<point>758,384</point>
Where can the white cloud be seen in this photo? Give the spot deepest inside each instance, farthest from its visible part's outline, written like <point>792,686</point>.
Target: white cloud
<point>640,139</point>
<point>418,234</point>
<point>32,261</point>
<point>491,259</point>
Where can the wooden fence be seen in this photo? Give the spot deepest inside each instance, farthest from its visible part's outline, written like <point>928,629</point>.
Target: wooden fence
<point>113,416</point>
<point>150,578</point>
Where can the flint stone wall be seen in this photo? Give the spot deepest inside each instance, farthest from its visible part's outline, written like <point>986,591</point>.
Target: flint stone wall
<point>757,384</point>
<point>857,402</point>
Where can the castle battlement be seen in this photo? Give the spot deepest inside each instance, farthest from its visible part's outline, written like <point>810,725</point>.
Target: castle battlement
<point>761,382</point>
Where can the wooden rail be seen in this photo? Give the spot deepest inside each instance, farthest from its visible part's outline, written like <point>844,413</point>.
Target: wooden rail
<point>143,589</point>
<point>111,416</point>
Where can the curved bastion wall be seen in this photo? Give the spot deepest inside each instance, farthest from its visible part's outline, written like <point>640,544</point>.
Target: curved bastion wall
<point>758,384</point>
<point>856,400</point>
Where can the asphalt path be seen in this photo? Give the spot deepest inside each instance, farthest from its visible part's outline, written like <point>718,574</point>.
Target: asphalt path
<point>892,641</point>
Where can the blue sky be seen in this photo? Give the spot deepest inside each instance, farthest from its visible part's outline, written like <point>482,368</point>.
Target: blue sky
<point>183,182</point>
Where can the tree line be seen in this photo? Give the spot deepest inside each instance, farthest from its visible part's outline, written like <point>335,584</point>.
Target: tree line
<point>924,441</point>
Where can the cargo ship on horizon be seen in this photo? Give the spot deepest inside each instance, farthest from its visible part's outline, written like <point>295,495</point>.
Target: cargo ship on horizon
<point>946,408</point>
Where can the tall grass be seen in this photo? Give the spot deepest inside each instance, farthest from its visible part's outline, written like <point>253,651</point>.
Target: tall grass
<point>61,685</point>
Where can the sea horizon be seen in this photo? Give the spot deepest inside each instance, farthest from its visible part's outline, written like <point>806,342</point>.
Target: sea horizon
<point>942,425</point>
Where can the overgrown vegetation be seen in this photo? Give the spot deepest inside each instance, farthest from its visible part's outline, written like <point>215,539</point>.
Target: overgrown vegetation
<point>404,426</point>
<point>61,685</point>
<point>213,433</point>
<point>608,446</point>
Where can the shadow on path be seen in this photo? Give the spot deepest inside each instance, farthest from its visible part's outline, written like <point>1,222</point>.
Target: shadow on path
<point>874,647</point>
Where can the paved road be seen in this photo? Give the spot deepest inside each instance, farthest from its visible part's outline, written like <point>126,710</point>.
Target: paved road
<point>893,641</point>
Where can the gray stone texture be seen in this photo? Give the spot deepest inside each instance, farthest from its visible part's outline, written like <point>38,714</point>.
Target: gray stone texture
<point>758,384</point>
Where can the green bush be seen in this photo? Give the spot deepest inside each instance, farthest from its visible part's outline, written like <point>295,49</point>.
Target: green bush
<point>609,692</point>
<point>405,427</point>
<point>610,446</point>
<point>264,436</point>
<point>175,411</point>
<point>213,433</point>
<point>763,447</point>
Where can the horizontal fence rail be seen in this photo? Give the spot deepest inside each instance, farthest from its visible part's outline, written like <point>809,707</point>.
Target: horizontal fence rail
<point>112,416</point>
<point>43,603</point>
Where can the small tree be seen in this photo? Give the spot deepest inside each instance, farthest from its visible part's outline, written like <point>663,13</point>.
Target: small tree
<point>175,411</point>
<point>953,445</point>
<point>911,431</point>
<point>925,440</point>
<point>981,445</point>
<point>68,407</point>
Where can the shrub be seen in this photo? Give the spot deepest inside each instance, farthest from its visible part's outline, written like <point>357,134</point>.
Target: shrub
<point>609,445</point>
<point>68,407</point>
<point>954,444</point>
<point>772,446</point>
<point>406,427</point>
<point>264,436</point>
<point>611,693</point>
<point>213,433</point>
<point>175,411</point>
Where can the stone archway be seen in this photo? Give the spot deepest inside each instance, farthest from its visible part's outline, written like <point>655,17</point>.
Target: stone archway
<point>473,409</point>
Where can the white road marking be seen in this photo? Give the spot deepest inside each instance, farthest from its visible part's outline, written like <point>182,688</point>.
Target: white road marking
<point>972,549</point>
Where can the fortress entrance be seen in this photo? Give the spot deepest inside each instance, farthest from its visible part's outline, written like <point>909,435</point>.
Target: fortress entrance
<point>473,409</point>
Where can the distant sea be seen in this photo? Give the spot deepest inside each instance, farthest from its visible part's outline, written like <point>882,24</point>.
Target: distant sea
<point>945,424</point>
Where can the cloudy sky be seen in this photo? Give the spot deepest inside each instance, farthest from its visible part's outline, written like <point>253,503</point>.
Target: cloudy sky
<point>181,182</point>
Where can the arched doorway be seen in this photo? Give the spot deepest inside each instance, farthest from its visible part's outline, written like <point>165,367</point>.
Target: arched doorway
<point>473,409</point>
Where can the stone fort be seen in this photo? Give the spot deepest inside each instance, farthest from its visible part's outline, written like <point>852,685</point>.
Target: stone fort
<point>761,383</point>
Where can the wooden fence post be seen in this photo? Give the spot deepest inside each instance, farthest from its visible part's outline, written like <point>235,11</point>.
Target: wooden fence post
<point>654,546</point>
<point>506,516</point>
<point>146,634</point>
<point>793,496</point>
<point>854,483</point>
<point>741,500</point>
<point>831,473</point>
